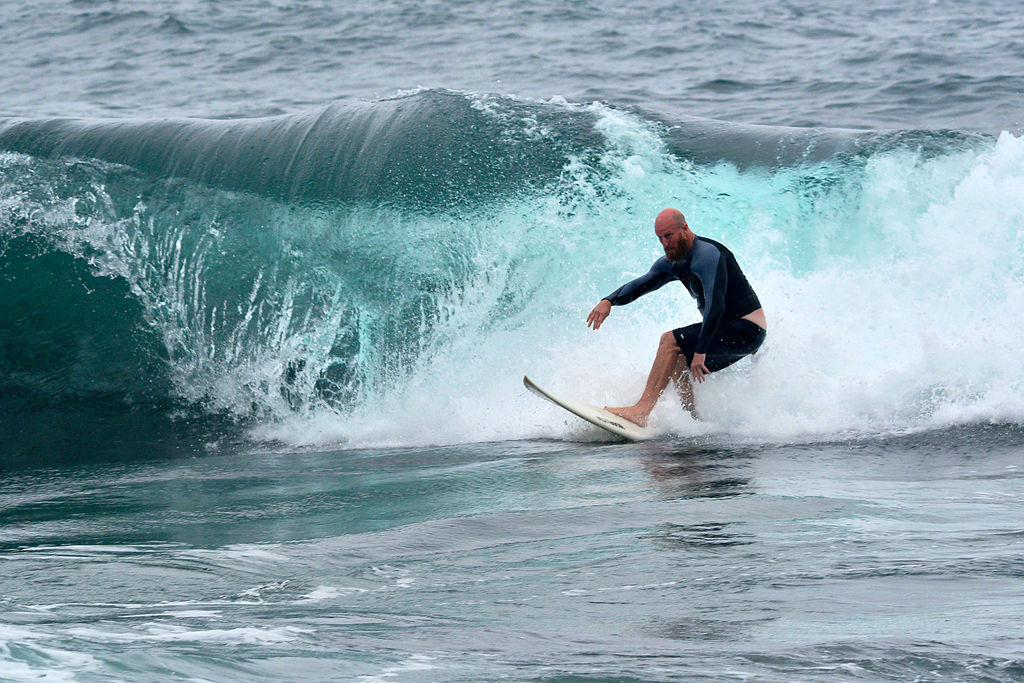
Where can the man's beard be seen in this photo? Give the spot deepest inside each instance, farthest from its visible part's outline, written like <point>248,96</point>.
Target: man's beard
<point>675,254</point>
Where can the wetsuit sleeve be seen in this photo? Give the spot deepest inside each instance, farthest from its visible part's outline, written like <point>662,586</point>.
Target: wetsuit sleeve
<point>659,274</point>
<point>714,279</point>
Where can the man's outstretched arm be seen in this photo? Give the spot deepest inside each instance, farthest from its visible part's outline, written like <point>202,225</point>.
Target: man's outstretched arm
<point>657,276</point>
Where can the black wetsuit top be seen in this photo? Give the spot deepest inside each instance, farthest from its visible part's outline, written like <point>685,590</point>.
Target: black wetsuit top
<point>711,275</point>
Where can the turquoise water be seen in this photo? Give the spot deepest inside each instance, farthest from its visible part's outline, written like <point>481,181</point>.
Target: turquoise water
<point>270,276</point>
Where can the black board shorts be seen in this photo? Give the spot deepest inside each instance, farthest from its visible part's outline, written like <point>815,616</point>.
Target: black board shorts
<point>733,340</point>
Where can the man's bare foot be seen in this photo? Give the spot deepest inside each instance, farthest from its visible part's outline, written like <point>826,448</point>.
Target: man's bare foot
<point>631,413</point>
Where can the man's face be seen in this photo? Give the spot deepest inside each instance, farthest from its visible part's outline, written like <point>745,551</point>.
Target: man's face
<point>674,241</point>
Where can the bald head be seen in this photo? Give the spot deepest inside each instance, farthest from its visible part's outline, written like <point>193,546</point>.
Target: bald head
<point>674,234</point>
<point>670,218</point>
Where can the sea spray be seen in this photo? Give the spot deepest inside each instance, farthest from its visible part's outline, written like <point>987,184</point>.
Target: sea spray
<point>871,298</point>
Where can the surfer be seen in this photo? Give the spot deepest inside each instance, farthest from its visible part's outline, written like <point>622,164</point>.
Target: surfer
<point>733,324</point>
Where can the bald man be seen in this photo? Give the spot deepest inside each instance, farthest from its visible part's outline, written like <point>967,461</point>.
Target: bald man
<point>733,321</point>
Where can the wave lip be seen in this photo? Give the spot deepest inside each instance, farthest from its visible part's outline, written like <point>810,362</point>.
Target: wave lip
<point>431,148</point>
<point>428,148</point>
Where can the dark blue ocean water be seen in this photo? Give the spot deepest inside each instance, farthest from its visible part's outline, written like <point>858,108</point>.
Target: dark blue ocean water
<point>271,273</point>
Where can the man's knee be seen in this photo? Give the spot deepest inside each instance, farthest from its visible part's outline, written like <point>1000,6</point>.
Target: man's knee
<point>668,343</point>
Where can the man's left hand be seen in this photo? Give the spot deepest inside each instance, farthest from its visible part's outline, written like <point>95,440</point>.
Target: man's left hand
<point>697,368</point>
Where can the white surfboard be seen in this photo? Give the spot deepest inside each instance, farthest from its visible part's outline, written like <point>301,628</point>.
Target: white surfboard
<point>611,422</point>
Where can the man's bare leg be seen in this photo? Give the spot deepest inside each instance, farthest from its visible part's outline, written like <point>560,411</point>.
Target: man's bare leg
<point>684,386</point>
<point>662,370</point>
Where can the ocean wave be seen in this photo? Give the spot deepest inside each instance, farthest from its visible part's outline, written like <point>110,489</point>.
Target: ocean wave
<point>383,273</point>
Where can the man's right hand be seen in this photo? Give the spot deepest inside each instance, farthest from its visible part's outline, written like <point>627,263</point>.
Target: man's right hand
<point>600,312</point>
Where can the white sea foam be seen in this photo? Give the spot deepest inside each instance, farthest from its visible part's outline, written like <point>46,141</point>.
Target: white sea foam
<point>162,632</point>
<point>414,664</point>
<point>25,655</point>
<point>892,289</point>
<point>321,594</point>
